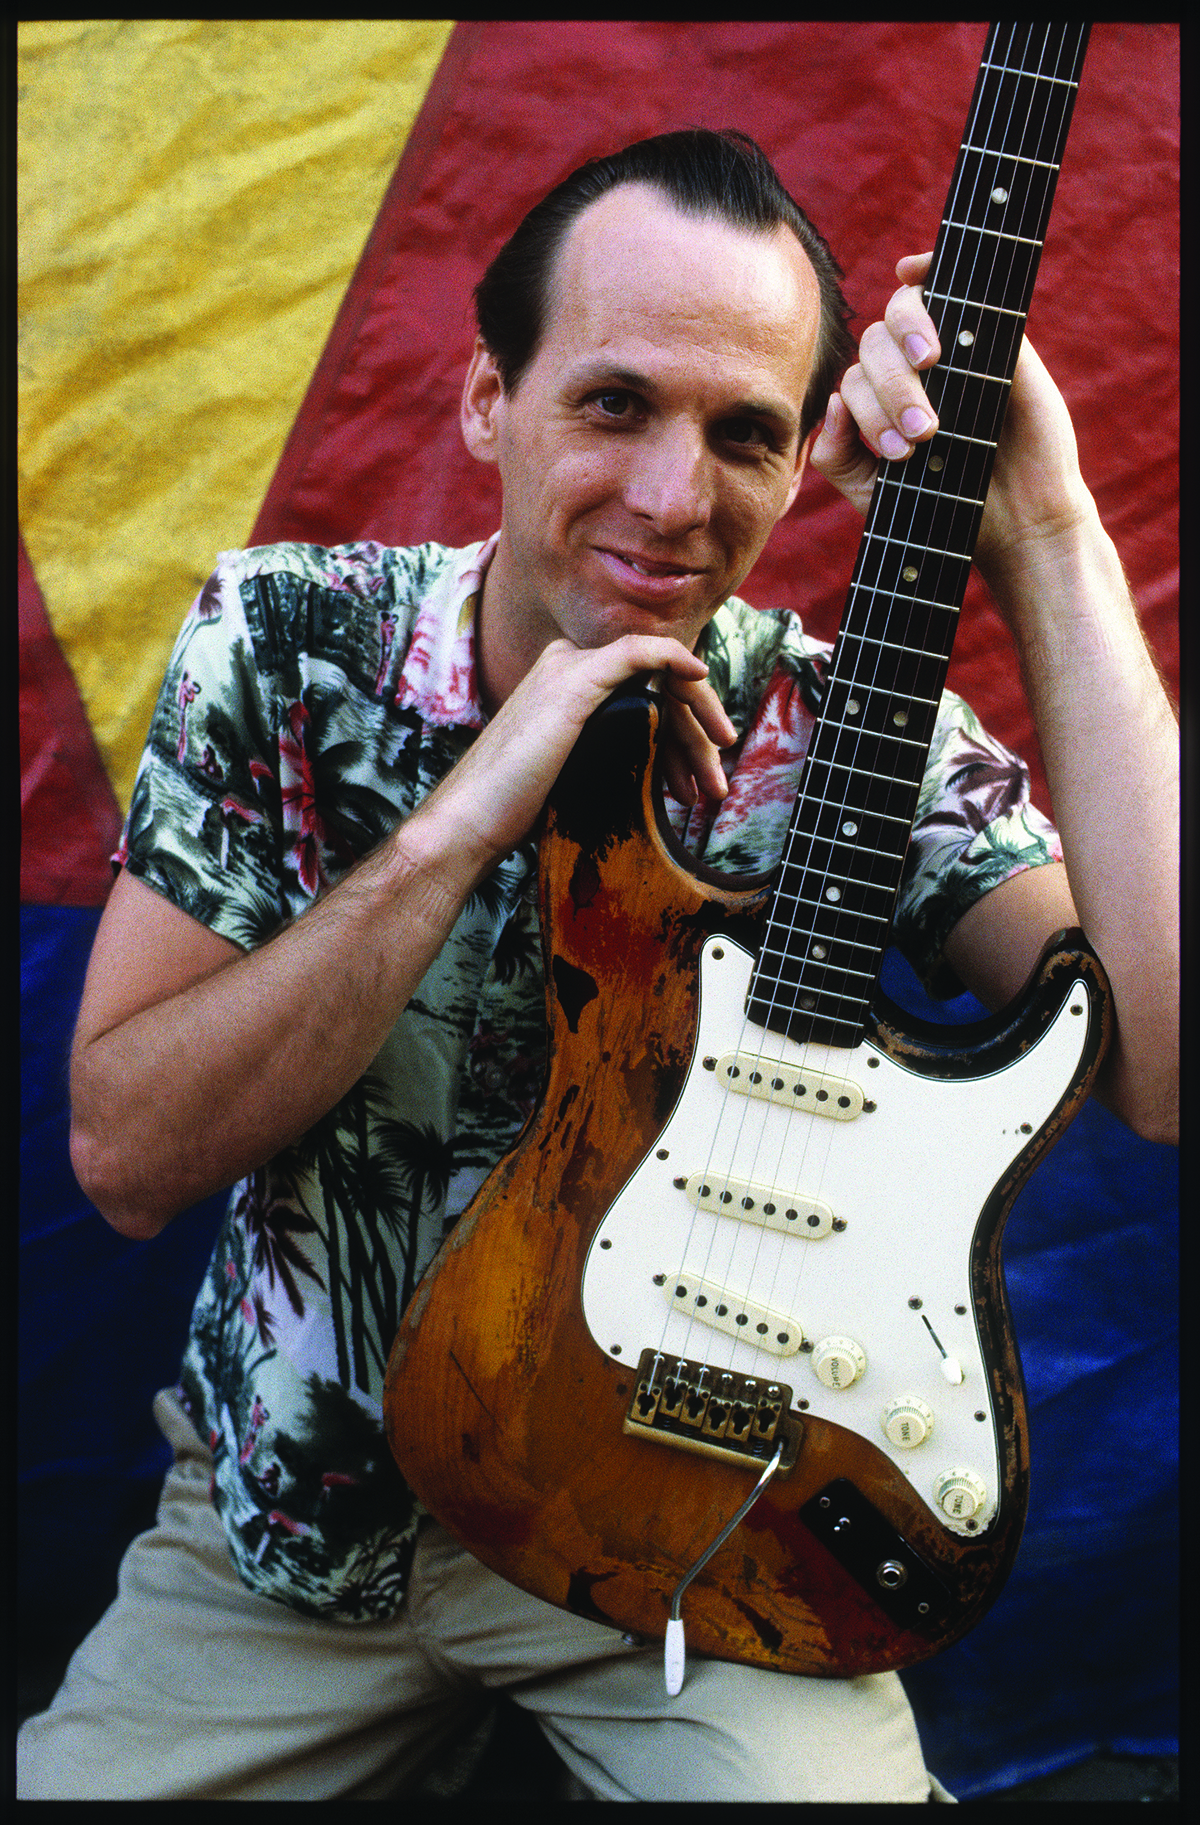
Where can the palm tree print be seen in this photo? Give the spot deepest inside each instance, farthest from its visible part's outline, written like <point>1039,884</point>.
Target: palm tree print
<point>272,1223</point>
<point>313,700</point>
<point>426,1159</point>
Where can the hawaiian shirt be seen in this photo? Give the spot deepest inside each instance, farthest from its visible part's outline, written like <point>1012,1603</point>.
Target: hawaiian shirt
<point>312,700</point>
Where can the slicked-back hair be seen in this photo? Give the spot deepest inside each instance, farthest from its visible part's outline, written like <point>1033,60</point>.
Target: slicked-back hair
<point>722,175</point>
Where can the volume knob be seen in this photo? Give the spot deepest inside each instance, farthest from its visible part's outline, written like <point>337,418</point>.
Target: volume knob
<point>838,1361</point>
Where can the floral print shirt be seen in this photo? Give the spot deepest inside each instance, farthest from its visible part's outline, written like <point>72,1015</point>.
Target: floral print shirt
<point>313,698</point>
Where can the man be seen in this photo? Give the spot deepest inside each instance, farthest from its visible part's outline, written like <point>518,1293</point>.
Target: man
<point>677,330</point>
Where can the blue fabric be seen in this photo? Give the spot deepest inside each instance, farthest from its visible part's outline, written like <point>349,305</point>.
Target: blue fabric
<point>102,1322</point>
<point>1078,1653</point>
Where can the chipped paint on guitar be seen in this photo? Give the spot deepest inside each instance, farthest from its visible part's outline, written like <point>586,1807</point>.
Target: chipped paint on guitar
<point>512,1399</point>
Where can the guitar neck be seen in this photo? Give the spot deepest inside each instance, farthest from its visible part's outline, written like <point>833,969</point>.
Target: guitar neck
<point>844,855</point>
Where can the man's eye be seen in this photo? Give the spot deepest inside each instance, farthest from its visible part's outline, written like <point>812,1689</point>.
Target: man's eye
<point>614,405</point>
<point>744,431</point>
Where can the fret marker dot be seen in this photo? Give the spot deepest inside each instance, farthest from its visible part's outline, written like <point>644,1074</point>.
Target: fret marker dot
<point>909,573</point>
<point>849,828</point>
<point>999,195</point>
<point>900,718</point>
<point>965,339</point>
<point>819,950</point>
<point>833,893</point>
<point>937,462</point>
<point>852,706</point>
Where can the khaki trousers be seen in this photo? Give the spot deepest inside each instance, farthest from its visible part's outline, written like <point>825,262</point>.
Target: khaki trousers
<point>192,1687</point>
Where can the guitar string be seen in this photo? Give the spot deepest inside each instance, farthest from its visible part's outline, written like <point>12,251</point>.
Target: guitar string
<point>858,681</point>
<point>804,1171</point>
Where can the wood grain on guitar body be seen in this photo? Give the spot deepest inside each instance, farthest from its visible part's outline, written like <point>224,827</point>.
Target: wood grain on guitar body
<point>513,1388</point>
<point>752,1229</point>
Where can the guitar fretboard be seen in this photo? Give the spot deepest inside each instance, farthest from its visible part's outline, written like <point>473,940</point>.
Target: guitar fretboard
<point>859,794</point>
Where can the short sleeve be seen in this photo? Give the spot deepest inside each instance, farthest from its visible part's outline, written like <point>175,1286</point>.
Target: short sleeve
<point>205,820</point>
<point>975,827</point>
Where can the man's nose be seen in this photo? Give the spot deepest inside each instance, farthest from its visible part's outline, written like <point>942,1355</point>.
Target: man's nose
<point>670,479</point>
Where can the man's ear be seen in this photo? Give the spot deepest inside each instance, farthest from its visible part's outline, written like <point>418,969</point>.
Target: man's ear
<point>482,397</point>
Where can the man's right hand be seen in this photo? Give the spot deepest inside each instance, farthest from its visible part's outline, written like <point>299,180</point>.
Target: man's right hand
<point>195,1062</point>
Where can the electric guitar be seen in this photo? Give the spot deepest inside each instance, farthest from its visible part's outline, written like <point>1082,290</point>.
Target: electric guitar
<point>743,1264</point>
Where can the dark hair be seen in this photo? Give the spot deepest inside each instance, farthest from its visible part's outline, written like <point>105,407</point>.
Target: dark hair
<point>703,173</point>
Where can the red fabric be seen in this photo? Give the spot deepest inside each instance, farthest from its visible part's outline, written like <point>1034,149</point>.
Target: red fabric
<point>69,816</point>
<point>863,122</point>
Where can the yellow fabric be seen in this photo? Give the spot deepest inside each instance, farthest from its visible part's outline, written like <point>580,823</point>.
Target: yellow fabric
<point>193,198</point>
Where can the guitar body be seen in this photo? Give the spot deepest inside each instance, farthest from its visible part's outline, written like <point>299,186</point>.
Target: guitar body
<point>861,1274</point>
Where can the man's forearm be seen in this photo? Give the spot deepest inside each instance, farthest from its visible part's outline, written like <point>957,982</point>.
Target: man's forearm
<point>187,1095</point>
<point>1109,741</point>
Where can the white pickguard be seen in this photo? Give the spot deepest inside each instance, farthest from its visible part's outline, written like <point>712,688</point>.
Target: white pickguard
<point>905,1182</point>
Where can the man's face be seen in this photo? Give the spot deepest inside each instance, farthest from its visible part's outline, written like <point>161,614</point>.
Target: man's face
<point>654,440</point>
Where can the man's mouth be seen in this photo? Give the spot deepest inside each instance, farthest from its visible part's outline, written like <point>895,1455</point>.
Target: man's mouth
<point>650,567</point>
<point>645,568</point>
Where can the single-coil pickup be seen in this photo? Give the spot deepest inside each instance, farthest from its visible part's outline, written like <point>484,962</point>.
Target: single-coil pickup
<point>725,1310</point>
<point>762,1204</point>
<point>799,1086</point>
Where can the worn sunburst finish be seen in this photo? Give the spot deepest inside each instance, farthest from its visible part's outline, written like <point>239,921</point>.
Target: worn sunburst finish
<point>506,1414</point>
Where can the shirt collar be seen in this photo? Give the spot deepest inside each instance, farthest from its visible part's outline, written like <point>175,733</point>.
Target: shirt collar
<point>440,679</point>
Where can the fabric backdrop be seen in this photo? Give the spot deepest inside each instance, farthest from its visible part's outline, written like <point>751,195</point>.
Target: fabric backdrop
<point>244,315</point>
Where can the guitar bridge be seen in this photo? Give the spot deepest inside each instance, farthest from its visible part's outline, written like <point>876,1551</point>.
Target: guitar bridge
<point>715,1412</point>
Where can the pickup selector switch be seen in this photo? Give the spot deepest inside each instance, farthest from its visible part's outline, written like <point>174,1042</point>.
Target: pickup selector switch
<point>908,1421</point>
<point>838,1361</point>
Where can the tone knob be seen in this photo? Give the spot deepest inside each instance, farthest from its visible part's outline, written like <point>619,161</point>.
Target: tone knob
<point>960,1494</point>
<point>908,1421</point>
<point>838,1361</point>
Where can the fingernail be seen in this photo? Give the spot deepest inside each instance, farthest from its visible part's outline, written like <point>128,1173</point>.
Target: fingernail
<point>893,445</point>
<point>917,349</point>
<point>914,421</point>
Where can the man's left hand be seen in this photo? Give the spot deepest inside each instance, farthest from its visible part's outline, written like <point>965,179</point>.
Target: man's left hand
<point>882,412</point>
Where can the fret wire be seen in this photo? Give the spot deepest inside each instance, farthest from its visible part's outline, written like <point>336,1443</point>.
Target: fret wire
<point>889,595</point>
<point>885,690</point>
<point>999,380</point>
<point>966,500</point>
<point>997,310</point>
<point>856,728</point>
<point>844,766</point>
<point>1012,158</point>
<point>858,917</point>
<point>1006,69</point>
<point>797,899</point>
<point>936,551</point>
<point>839,992</point>
<point>960,437</point>
<point>898,646</point>
<point>837,842</point>
<point>882,817</point>
<point>1025,240</point>
<point>845,969</point>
